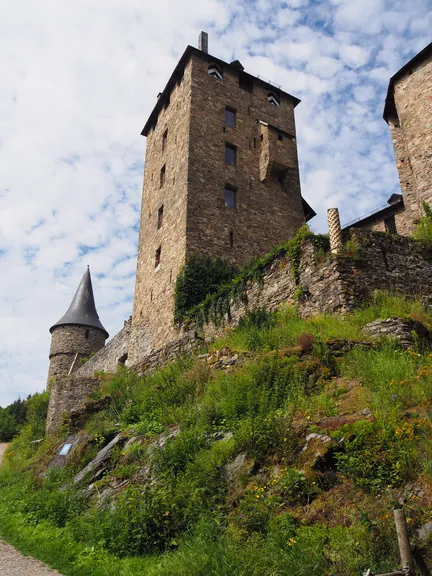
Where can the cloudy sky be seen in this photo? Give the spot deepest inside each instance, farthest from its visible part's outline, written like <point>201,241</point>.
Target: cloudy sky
<point>78,80</point>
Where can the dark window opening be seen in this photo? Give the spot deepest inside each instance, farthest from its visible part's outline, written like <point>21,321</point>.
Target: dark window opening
<point>246,82</point>
<point>157,257</point>
<point>162,175</point>
<point>261,137</point>
<point>280,137</point>
<point>390,225</point>
<point>151,296</point>
<point>231,239</point>
<point>215,70</point>
<point>170,275</point>
<point>160,217</point>
<point>167,101</point>
<point>123,358</point>
<point>230,197</point>
<point>255,141</point>
<point>87,334</point>
<point>230,117</point>
<point>230,154</point>
<point>273,99</point>
<point>164,140</point>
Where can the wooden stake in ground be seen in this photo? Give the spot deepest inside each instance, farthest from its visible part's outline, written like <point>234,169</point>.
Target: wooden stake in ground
<point>403,541</point>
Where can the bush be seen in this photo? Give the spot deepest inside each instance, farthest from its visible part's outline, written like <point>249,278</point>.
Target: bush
<point>423,232</point>
<point>200,276</point>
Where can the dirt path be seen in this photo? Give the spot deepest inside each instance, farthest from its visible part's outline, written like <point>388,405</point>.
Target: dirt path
<point>2,451</point>
<point>13,563</point>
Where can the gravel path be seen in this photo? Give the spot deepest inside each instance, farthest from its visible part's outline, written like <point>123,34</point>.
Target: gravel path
<point>13,563</point>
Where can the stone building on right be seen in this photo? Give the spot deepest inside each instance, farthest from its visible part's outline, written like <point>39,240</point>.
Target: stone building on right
<point>408,112</point>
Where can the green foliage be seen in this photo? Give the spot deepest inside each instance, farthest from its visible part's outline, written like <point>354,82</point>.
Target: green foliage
<point>217,481</point>
<point>423,232</point>
<point>14,417</point>
<point>215,306</point>
<point>200,276</point>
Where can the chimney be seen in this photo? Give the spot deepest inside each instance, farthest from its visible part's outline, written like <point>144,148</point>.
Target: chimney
<point>203,42</point>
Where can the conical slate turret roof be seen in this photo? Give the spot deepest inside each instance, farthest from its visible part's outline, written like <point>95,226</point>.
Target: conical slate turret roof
<point>82,310</point>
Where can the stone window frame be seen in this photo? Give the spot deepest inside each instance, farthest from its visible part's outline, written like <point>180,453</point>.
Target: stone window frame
<point>158,258</point>
<point>230,114</point>
<point>230,197</point>
<point>230,154</point>
<point>160,216</point>
<point>162,176</point>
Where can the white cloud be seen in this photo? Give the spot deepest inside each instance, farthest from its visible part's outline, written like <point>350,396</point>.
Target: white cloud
<point>80,78</point>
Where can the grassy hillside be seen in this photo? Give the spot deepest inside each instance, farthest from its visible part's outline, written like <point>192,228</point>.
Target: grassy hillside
<point>290,461</point>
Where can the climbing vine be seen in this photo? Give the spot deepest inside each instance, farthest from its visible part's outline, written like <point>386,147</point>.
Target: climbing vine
<point>215,306</point>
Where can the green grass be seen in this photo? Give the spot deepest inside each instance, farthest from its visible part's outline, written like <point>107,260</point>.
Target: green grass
<point>278,515</point>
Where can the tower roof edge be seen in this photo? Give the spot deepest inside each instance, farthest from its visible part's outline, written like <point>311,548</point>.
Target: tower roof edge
<point>82,310</point>
<point>175,76</point>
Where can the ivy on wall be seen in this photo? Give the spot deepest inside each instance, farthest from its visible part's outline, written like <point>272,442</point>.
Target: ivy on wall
<point>214,306</point>
<point>200,276</point>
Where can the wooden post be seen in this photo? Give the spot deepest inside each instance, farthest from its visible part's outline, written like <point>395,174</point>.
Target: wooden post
<point>403,541</point>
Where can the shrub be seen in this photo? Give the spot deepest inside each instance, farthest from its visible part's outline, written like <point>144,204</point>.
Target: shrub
<point>423,232</point>
<point>200,276</point>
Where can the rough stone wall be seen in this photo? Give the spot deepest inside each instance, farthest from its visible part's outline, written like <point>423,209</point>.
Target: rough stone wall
<point>110,356</point>
<point>154,287</point>
<point>266,212</point>
<point>195,218</point>
<point>412,138</point>
<point>66,343</point>
<point>334,285</point>
<point>67,394</point>
<point>404,223</point>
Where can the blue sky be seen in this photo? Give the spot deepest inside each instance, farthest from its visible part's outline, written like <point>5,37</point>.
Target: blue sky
<point>78,82</point>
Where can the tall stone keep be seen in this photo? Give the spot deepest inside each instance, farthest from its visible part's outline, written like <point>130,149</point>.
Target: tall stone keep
<point>408,112</point>
<point>221,177</point>
<point>77,334</point>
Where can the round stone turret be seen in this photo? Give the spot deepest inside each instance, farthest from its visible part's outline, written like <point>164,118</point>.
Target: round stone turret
<point>77,334</point>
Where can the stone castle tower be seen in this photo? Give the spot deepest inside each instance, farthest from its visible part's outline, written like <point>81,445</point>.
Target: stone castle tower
<point>408,111</point>
<point>77,334</point>
<point>221,177</point>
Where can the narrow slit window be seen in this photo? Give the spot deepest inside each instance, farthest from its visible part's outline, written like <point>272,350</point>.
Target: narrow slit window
<point>160,217</point>
<point>158,257</point>
<point>230,154</point>
<point>164,140</point>
<point>87,334</point>
<point>390,225</point>
<point>230,197</point>
<point>231,239</point>
<point>273,99</point>
<point>230,117</point>
<point>162,175</point>
<point>215,70</point>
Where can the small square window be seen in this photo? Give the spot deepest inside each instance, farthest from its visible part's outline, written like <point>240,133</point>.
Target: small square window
<point>162,175</point>
<point>160,217</point>
<point>164,139</point>
<point>157,257</point>
<point>230,197</point>
<point>280,137</point>
<point>230,154</point>
<point>230,117</point>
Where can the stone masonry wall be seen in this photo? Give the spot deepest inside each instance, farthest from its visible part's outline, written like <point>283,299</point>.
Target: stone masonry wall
<point>336,285</point>
<point>110,356</point>
<point>67,394</point>
<point>412,138</point>
<point>67,342</point>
